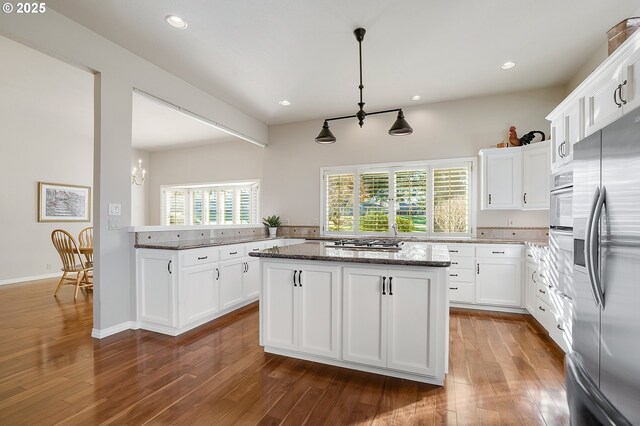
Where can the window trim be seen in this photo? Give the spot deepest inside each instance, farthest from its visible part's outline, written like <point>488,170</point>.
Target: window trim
<point>218,186</point>
<point>392,167</point>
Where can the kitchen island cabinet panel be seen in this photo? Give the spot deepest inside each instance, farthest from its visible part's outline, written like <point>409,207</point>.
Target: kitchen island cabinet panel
<point>280,307</point>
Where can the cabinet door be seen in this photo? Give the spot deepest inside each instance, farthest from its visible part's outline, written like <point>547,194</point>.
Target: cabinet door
<point>198,292</point>
<point>157,288</point>
<point>364,310</point>
<point>574,126</point>
<point>531,287</point>
<point>318,310</point>
<point>557,140</point>
<point>601,107</point>
<point>280,310</point>
<point>498,282</point>
<point>536,177</point>
<point>251,278</point>
<point>231,292</point>
<point>410,319</point>
<point>631,90</point>
<point>503,180</point>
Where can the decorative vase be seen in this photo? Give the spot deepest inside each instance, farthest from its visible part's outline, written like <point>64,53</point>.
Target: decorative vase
<point>272,231</point>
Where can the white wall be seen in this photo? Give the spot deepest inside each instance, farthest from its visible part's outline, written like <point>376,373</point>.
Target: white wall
<point>226,161</point>
<point>117,71</point>
<point>46,134</point>
<point>140,193</point>
<point>588,67</point>
<point>291,186</point>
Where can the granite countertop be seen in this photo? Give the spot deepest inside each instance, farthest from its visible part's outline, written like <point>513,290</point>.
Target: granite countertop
<point>193,244</point>
<point>412,254</point>
<point>540,243</point>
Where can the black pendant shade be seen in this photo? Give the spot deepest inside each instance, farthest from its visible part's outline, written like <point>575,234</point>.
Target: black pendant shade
<point>400,126</point>
<point>325,135</point>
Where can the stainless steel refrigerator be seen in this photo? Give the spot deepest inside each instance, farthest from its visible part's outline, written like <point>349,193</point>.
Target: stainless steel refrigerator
<point>603,369</point>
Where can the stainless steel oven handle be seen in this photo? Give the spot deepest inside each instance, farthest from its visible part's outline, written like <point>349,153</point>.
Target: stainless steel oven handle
<point>593,242</point>
<point>587,246</point>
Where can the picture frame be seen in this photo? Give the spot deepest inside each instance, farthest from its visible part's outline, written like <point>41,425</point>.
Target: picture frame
<point>63,202</point>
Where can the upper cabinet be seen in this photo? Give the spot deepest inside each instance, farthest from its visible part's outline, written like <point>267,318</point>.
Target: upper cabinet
<point>611,91</point>
<point>515,178</point>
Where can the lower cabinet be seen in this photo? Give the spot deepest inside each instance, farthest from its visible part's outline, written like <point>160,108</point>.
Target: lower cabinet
<point>498,282</point>
<point>157,287</point>
<point>388,315</point>
<point>231,292</point>
<point>251,278</point>
<point>300,304</point>
<point>531,286</point>
<point>198,292</point>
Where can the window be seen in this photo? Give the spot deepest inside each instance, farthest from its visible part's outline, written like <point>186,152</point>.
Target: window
<point>430,199</point>
<point>211,204</point>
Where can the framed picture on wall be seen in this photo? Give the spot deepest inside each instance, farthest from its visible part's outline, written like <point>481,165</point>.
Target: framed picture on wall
<point>63,203</point>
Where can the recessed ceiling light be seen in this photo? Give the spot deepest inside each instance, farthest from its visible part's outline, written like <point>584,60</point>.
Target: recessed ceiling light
<point>416,98</point>
<point>507,65</point>
<point>176,22</point>
<point>284,102</point>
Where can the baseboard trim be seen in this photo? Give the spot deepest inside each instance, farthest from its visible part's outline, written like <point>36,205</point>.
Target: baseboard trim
<point>114,329</point>
<point>488,308</point>
<point>30,278</point>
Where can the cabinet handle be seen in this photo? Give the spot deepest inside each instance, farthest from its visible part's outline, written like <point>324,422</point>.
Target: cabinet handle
<point>299,278</point>
<point>218,272</point>
<point>542,309</point>
<point>529,255</point>
<point>384,282</point>
<point>233,252</point>
<point>453,251</point>
<point>497,252</point>
<point>615,93</point>
<point>247,266</point>
<point>454,263</point>
<point>203,257</point>
<point>453,288</point>
<point>169,267</point>
<point>542,291</point>
<point>525,198</point>
<point>533,274</point>
<point>489,198</point>
<point>477,268</point>
<point>294,278</point>
<point>542,276</point>
<point>559,327</point>
<point>390,286</point>
<point>453,275</point>
<point>624,102</point>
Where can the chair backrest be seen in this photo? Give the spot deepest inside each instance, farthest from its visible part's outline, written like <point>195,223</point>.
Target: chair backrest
<point>67,249</point>
<point>85,238</point>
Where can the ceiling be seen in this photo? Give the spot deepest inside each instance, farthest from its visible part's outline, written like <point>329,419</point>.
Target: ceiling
<point>156,127</point>
<point>254,53</point>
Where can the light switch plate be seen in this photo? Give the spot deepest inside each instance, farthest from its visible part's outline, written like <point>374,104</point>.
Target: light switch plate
<point>115,209</point>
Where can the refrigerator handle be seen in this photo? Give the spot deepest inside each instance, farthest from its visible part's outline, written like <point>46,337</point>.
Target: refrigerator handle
<point>593,242</point>
<point>588,247</point>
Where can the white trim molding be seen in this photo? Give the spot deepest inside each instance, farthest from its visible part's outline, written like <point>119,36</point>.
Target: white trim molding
<point>30,278</point>
<point>114,329</point>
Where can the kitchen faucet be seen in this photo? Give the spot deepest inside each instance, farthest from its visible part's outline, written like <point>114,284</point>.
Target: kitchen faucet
<point>395,229</point>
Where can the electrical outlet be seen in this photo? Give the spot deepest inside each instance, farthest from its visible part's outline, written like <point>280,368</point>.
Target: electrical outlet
<point>510,222</point>
<point>114,223</point>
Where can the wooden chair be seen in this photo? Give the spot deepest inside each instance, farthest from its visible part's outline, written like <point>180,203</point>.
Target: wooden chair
<point>72,262</point>
<point>85,238</point>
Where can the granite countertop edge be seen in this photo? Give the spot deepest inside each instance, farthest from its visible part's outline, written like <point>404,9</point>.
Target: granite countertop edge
<point>189,245</point>
<point>431,263</point>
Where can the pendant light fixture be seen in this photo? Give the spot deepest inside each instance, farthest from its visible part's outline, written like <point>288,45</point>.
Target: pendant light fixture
<point>399,128</point>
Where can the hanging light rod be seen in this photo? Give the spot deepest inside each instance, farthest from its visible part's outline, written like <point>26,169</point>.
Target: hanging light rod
<point>399,128</point>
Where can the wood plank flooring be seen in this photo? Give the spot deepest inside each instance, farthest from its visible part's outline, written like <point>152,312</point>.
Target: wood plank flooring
<point>503,371</point>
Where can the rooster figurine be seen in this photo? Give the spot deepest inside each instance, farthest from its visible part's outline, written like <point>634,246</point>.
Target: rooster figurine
<point>524,140</point>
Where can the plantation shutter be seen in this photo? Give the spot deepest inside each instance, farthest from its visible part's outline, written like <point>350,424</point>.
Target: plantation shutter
<point>227,212</point>
<point>175,206</point>
<point>213,207</point>
<point>244,205</point>
<point>197,208</point>
<point>411,200</point>
<point>374,201</point>
<point>339,202</point>
<point>451,210</point>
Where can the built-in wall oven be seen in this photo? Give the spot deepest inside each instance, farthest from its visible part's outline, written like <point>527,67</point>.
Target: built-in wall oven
<point>561,201</point>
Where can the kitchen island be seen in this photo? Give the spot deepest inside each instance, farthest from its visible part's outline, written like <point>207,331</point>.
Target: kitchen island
<point>381,311</point>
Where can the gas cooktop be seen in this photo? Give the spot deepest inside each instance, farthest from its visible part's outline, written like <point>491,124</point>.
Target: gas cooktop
<point>369,244</point>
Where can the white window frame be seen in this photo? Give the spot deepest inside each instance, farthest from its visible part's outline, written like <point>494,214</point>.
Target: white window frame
<point>391,168</point>
<point>211,186</point>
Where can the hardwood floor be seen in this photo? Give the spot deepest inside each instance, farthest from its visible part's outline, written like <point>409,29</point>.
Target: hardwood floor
<point>502,371</point>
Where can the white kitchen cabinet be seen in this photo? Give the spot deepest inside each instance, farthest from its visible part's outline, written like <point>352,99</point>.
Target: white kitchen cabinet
<point>198,292</point>
<point>499,281</point>
<point>531,287</point>
<point>558,158</point>
<point>385,322</point>
<point>156,290</point>
<point>631,89</point>
<point>501,178</point>
<point>535,181</point>
<point>462,273</point>
<point>251,278</point>
<point>602,103</point>
<point>300,303</point>
<point>231,291</point>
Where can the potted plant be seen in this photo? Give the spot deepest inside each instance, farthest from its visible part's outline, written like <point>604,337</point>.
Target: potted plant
<point>272,222</point>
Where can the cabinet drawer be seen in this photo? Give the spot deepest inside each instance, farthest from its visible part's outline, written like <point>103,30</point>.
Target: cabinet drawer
<point>562,307</point>
<point>466,250</point>
<point>199,256</point>
<point>543,293</point>
<point>257,246</point>
<point>499,251</point>
<point>231,251</point>
<point>544,315</point>
<point>462,262</point>
<point>461,292</point>
<point>464,275</point>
